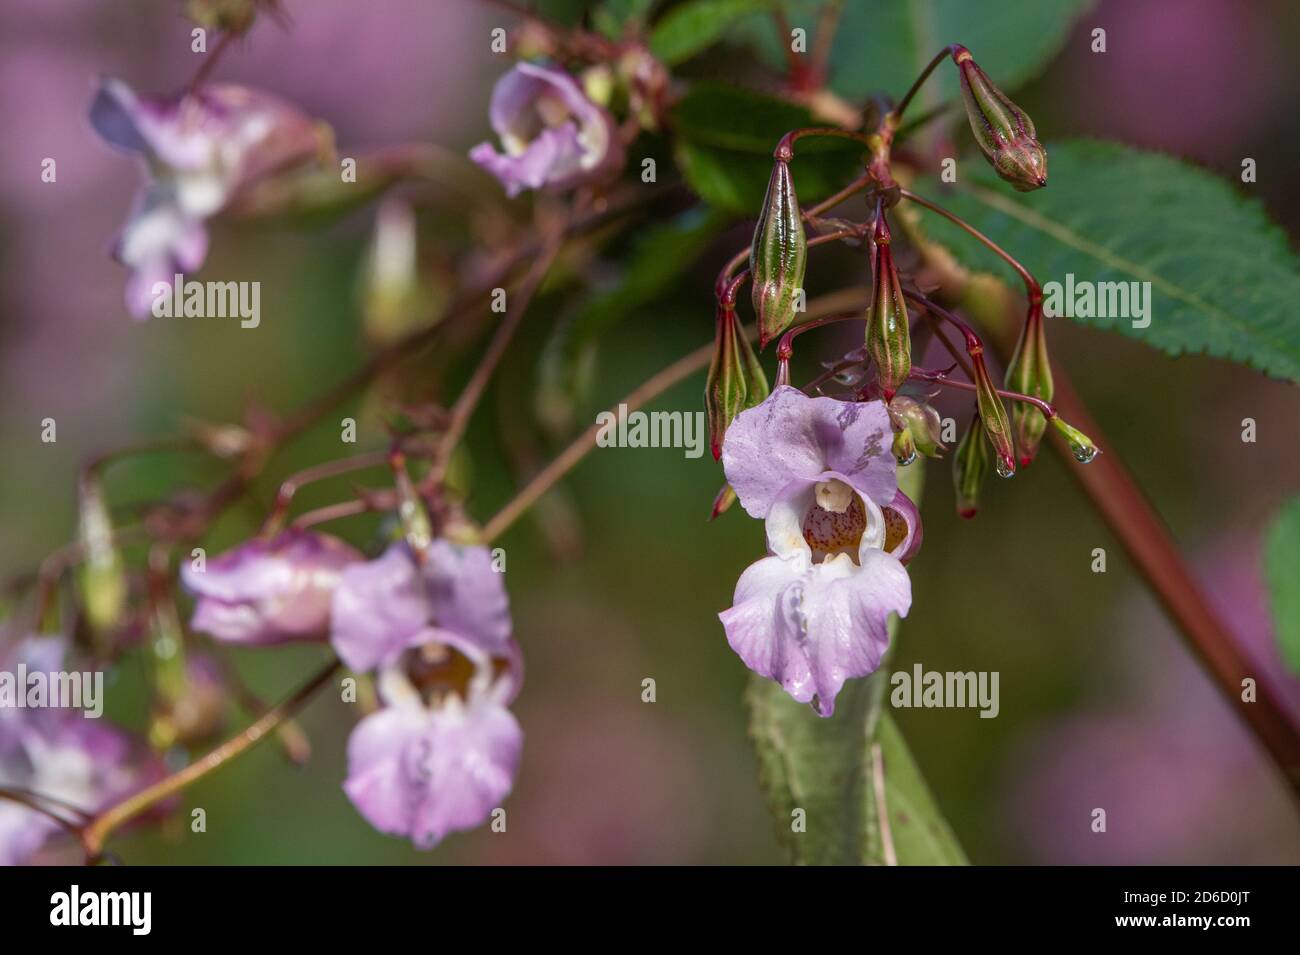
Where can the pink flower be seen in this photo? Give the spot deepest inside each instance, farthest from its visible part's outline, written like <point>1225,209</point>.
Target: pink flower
<point>819,472</point>
<point>58,753</point>
<point>553,136</point>
<point>200,149</point>
<point>267,592</point>
<point>441,754</point>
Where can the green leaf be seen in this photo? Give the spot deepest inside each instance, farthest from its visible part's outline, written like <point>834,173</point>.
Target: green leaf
<point>696,25</point>
<point>882,46</point>
<point>725,138</point>
<point>1282,571</point>
<point>825,767</point>
<point>1223,279</point>
<point>658,257</point>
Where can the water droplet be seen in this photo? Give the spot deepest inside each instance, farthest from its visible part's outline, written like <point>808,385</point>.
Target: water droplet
<point>1083,453</point>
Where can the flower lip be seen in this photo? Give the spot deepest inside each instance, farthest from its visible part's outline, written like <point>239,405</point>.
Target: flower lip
<point>437,667</point>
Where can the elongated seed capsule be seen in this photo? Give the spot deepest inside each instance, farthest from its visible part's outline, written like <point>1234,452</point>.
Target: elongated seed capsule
<point>993,414</point>
<point>1003,131</point>
<point>970,466</point>
<point>725,387</point>
<point>777,256</point>
<point>889,341</point>
<point>1030,373</point>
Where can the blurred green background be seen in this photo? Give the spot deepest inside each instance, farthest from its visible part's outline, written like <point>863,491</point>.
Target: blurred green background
<point>1100,704</point>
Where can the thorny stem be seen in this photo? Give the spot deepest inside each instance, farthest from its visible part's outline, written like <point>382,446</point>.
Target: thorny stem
<point>96,833</point>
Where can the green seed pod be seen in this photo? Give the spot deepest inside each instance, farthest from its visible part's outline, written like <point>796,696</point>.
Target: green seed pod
<point>970,466</point>
<point>1003,131</point>
<point>1081,446</point>
<point>1030,373</point>
<point>777,256</point>
<point>102,573</point>
<point>889,341</point>
<point>726,386</point>
<point>993,414</point>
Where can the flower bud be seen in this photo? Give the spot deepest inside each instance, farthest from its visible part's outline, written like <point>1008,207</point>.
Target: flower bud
<point>777,256</point>
<point>102,573</point>
<point>970,466</point>
<point>1030,373</point>
<point>993,414</point>
<point>889,340</point>
<point>395,297</point>
<point>736,380</point>
<point>923,421</point>
<point>1003,131</point>
<point>1081,445</point>
<point>722,501</point>
<point>904,446</point>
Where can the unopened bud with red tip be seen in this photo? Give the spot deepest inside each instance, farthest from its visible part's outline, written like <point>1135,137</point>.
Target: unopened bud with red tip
<point>993,414</point>
<point>724,499</point>
<point>970,466</point>
<point>889,341</point>
<point>1081,446</point>
<point>777,256</point>
<point>1003,131</point>
<point>736,380</point>
<point>922,421</point>
<point>1030,373</point>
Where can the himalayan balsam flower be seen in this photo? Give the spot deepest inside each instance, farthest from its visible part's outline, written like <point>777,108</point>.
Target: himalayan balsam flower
<point>819,472</point>
<point>441,753</point>
<point>201,149</point>
<point>57,753</point>
<point>552,135</point>
<point>269,591</point>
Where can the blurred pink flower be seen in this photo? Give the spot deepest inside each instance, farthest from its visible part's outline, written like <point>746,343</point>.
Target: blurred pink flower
<point>552,135</point>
